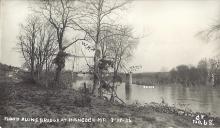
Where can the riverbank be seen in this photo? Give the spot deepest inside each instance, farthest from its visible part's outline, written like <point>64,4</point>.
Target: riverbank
<point>24,104</point>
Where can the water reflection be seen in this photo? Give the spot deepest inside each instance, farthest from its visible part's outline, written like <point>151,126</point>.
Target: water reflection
<point>199,99</point>
<point>128,91</point>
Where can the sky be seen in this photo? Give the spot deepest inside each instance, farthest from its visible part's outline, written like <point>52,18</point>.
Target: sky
<point>169,28</point>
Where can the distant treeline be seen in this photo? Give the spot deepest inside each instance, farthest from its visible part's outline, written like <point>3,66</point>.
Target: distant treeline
<point>150,78</point>
<point>182,74</point>
<point>204,73</point>
<point>189,75</point>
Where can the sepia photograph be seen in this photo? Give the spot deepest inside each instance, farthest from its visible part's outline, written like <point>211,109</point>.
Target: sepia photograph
<point>109,63</point>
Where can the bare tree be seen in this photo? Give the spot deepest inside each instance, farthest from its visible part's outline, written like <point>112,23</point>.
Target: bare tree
<point>36,43</point>
<point>213,67</point>
<point>27,41</point>
<point>60,14</point>
<point>119,47</point>
<point>203,71</point>
<point>45,49</point>
<point>212,33</point>
<point>97,15</point>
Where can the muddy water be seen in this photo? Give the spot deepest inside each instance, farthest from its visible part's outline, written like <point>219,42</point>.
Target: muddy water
<point>198,99</point>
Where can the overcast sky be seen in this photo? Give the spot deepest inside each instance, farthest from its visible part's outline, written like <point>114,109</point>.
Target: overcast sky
<point>170,26</point>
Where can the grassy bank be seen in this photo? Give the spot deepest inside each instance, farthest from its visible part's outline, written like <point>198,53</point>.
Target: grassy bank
<point>25,100</point>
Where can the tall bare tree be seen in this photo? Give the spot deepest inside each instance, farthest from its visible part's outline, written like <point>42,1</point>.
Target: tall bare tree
<point>60,14</point>
<point>45,49</point>
<point>27,41</point>
<point>97,15</point>
<point>119,47</point>
<point>36,43</point>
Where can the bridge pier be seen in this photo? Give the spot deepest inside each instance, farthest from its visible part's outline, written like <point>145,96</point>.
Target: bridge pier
<point>128,84</point>
<point>129,78</point>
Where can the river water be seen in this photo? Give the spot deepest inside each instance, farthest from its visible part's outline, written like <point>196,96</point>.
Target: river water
<point>198,99</point>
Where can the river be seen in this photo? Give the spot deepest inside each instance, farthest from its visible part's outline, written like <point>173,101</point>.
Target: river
<point>198,98</point>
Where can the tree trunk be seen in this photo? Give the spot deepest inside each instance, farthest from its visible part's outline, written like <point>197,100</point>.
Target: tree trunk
<point>60,62</point>
<point>96,75</point>
<point>58,72</point>
<point>32,68</point>
<point>114,77</point>
<point>32,52</point>
<point>96,61</point>
<point>32,61</point>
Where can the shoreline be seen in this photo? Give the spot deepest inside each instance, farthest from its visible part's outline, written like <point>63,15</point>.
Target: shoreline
<point>26,100</point>
<point>54,106</point>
